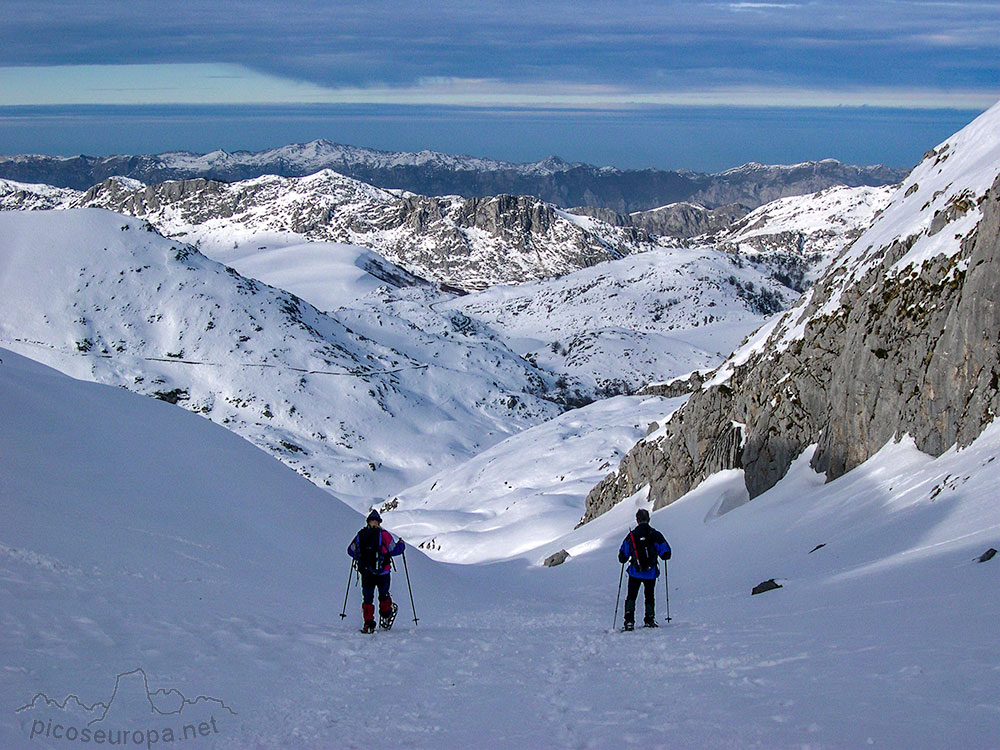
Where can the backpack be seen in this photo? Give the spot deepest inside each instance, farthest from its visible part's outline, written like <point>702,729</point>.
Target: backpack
<point>370,556</point>
<point>643,549</point>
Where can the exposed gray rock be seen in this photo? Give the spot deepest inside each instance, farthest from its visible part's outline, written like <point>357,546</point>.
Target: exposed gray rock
<point>874,351</point>
<point>679,220</point>
<point>765,586</point>
<point>677,387</point>
<point>557,558</point>
<point>988,555</point>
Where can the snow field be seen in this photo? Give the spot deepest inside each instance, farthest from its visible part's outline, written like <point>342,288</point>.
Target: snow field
<point>142,536</point>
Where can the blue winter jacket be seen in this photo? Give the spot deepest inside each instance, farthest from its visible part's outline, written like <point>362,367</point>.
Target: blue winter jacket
<point>640,533</point>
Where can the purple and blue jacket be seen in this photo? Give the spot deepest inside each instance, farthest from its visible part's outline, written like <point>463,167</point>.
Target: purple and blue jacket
<point>390,548</point>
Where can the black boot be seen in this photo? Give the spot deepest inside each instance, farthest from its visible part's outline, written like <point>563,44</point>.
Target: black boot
<point>630,614</point>
<point>649,621</point>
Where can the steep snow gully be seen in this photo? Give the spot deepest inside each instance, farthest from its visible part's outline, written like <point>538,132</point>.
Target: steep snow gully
<point>138,536</point>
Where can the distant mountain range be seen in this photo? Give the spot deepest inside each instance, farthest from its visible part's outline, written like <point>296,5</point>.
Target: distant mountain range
<point>431,173</point>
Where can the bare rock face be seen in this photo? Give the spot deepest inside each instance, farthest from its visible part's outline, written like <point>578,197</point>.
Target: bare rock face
<point>678,220</point>
<point>898,338</point>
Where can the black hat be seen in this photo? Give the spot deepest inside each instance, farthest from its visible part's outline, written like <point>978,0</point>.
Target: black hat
<point>642,516</point>
<point>374,516</point>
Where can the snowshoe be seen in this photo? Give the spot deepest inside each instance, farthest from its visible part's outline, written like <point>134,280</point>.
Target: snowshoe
<point>387,618</point>
<point>369,627</point>
<point>650,624</point>
<point>629,626</point>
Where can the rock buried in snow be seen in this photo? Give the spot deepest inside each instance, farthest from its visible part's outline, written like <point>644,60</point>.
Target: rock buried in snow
<point>768,585</point>
<point>987,555</point>
<point>557,559</point>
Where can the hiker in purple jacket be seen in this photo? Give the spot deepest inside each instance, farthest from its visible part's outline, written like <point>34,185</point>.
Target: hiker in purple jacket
<point>372,549</point>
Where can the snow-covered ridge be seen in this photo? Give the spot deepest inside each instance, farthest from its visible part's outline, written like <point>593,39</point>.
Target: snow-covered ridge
<point>20,196</point>
<point>929,215</point>
<point>357,403</point>
<point>321,153</point>
<point>565,184</point>
<point>465,243</point>
<point>805,233</point>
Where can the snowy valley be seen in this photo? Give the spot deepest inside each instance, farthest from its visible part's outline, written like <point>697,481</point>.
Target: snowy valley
<point>488,373</point>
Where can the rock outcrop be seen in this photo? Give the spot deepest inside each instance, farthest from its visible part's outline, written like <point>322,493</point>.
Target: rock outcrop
<point>678,220</point>
<point>898,338</point>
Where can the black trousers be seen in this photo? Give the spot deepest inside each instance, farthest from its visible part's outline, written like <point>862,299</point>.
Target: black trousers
<point>369,581</point>
<point>633,593</point>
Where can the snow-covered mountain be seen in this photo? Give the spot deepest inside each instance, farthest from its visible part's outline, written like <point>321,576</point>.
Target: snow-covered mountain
<point>620,325</point>
<point>898,338</point>
<point>365,407</point>
<point>19,196</point>
<point>432,173</point>
<point>798,237</point>
<point>471,244</point>
<point>465,243</point>
<point>606,329</point>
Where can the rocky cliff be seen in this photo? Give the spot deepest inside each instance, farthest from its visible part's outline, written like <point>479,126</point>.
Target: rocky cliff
<point>899,337</point>
<point>679,220</point>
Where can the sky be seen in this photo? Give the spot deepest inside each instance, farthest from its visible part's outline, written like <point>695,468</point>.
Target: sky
<point>672,84</point>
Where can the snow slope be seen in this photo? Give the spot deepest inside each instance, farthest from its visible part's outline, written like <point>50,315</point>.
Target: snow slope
<point>622,324</point>
<point>103,297</point>
<point>609,328</point>
<point>525,491</point>
<point>224,581</point>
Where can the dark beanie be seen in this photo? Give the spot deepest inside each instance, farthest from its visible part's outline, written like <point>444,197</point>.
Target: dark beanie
<point>374,516</point>
<point>642,516</point>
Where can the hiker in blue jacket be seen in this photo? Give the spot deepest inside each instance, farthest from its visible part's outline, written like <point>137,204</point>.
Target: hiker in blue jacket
<point>642,546</point>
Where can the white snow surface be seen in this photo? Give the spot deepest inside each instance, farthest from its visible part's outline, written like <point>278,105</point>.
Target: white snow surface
<point>137,536</point>
<point>103,297</point>
<point>647,317</point>
<point>518,496</point>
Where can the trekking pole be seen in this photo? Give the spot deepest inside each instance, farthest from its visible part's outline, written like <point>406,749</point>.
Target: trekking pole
<point>621,577</point>
<point>407,571</point>
<point>666,589</point>
<point>350,573</point>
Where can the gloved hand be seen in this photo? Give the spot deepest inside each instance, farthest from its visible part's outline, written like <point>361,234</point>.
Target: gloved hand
<point>622,557</point>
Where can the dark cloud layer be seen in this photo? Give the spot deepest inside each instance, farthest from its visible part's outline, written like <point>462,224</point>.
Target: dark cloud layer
<point>833,43</point>
<point>668,45</point>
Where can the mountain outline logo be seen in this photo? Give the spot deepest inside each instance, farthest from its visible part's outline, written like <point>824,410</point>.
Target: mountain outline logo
<point>151,697</point>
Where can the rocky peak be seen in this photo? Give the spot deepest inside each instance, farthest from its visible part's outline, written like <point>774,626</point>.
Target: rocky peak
<point>898,337</point>
<point>466,243</point>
